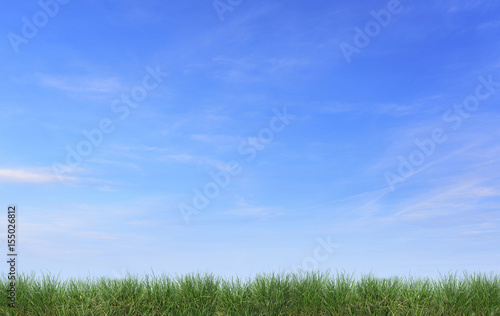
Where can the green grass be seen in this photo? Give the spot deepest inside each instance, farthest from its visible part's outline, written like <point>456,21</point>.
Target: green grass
<point>274,294</point>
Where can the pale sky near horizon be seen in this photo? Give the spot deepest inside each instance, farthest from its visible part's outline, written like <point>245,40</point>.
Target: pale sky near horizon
<point>253,136</point>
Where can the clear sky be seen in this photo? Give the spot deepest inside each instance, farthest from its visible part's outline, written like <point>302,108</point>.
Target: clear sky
<point>239,137</point>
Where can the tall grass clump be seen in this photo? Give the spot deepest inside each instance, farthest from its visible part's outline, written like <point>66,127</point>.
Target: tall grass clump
<point>303,293</point>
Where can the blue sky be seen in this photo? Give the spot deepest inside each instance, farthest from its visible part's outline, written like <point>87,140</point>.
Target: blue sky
<point>355,135</point>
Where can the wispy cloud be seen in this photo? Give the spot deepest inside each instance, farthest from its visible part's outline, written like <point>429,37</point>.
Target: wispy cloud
<point>419,106</point>
<point>252,69</point>
<point>215,138</point>
<point>81,84</point>
<point>29,176</point>
<point>147,223</point>
<point>197,160</point>
<point>245,209</point>
<point>180,158</point>
<point>250,211</point>
<point>219,141</point>
<point>68,176</point>
<point>117,163</point>
<point>140,148</point>
<point>461,195</point>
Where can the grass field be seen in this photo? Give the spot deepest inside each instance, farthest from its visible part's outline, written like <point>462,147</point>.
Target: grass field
<point>274,294</point>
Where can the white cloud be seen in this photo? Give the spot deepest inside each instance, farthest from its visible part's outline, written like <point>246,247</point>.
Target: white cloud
<point>25,176</point>
<point>139,148</point>
<point>249,211</point>
<point>83,84</point>
<point>245,209</point>
<point>185,158</point>
<point>461,194</point>
<point>219,140</point>
<point>146,223</point>
<point>180,158</point>
<point>207,138</point>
